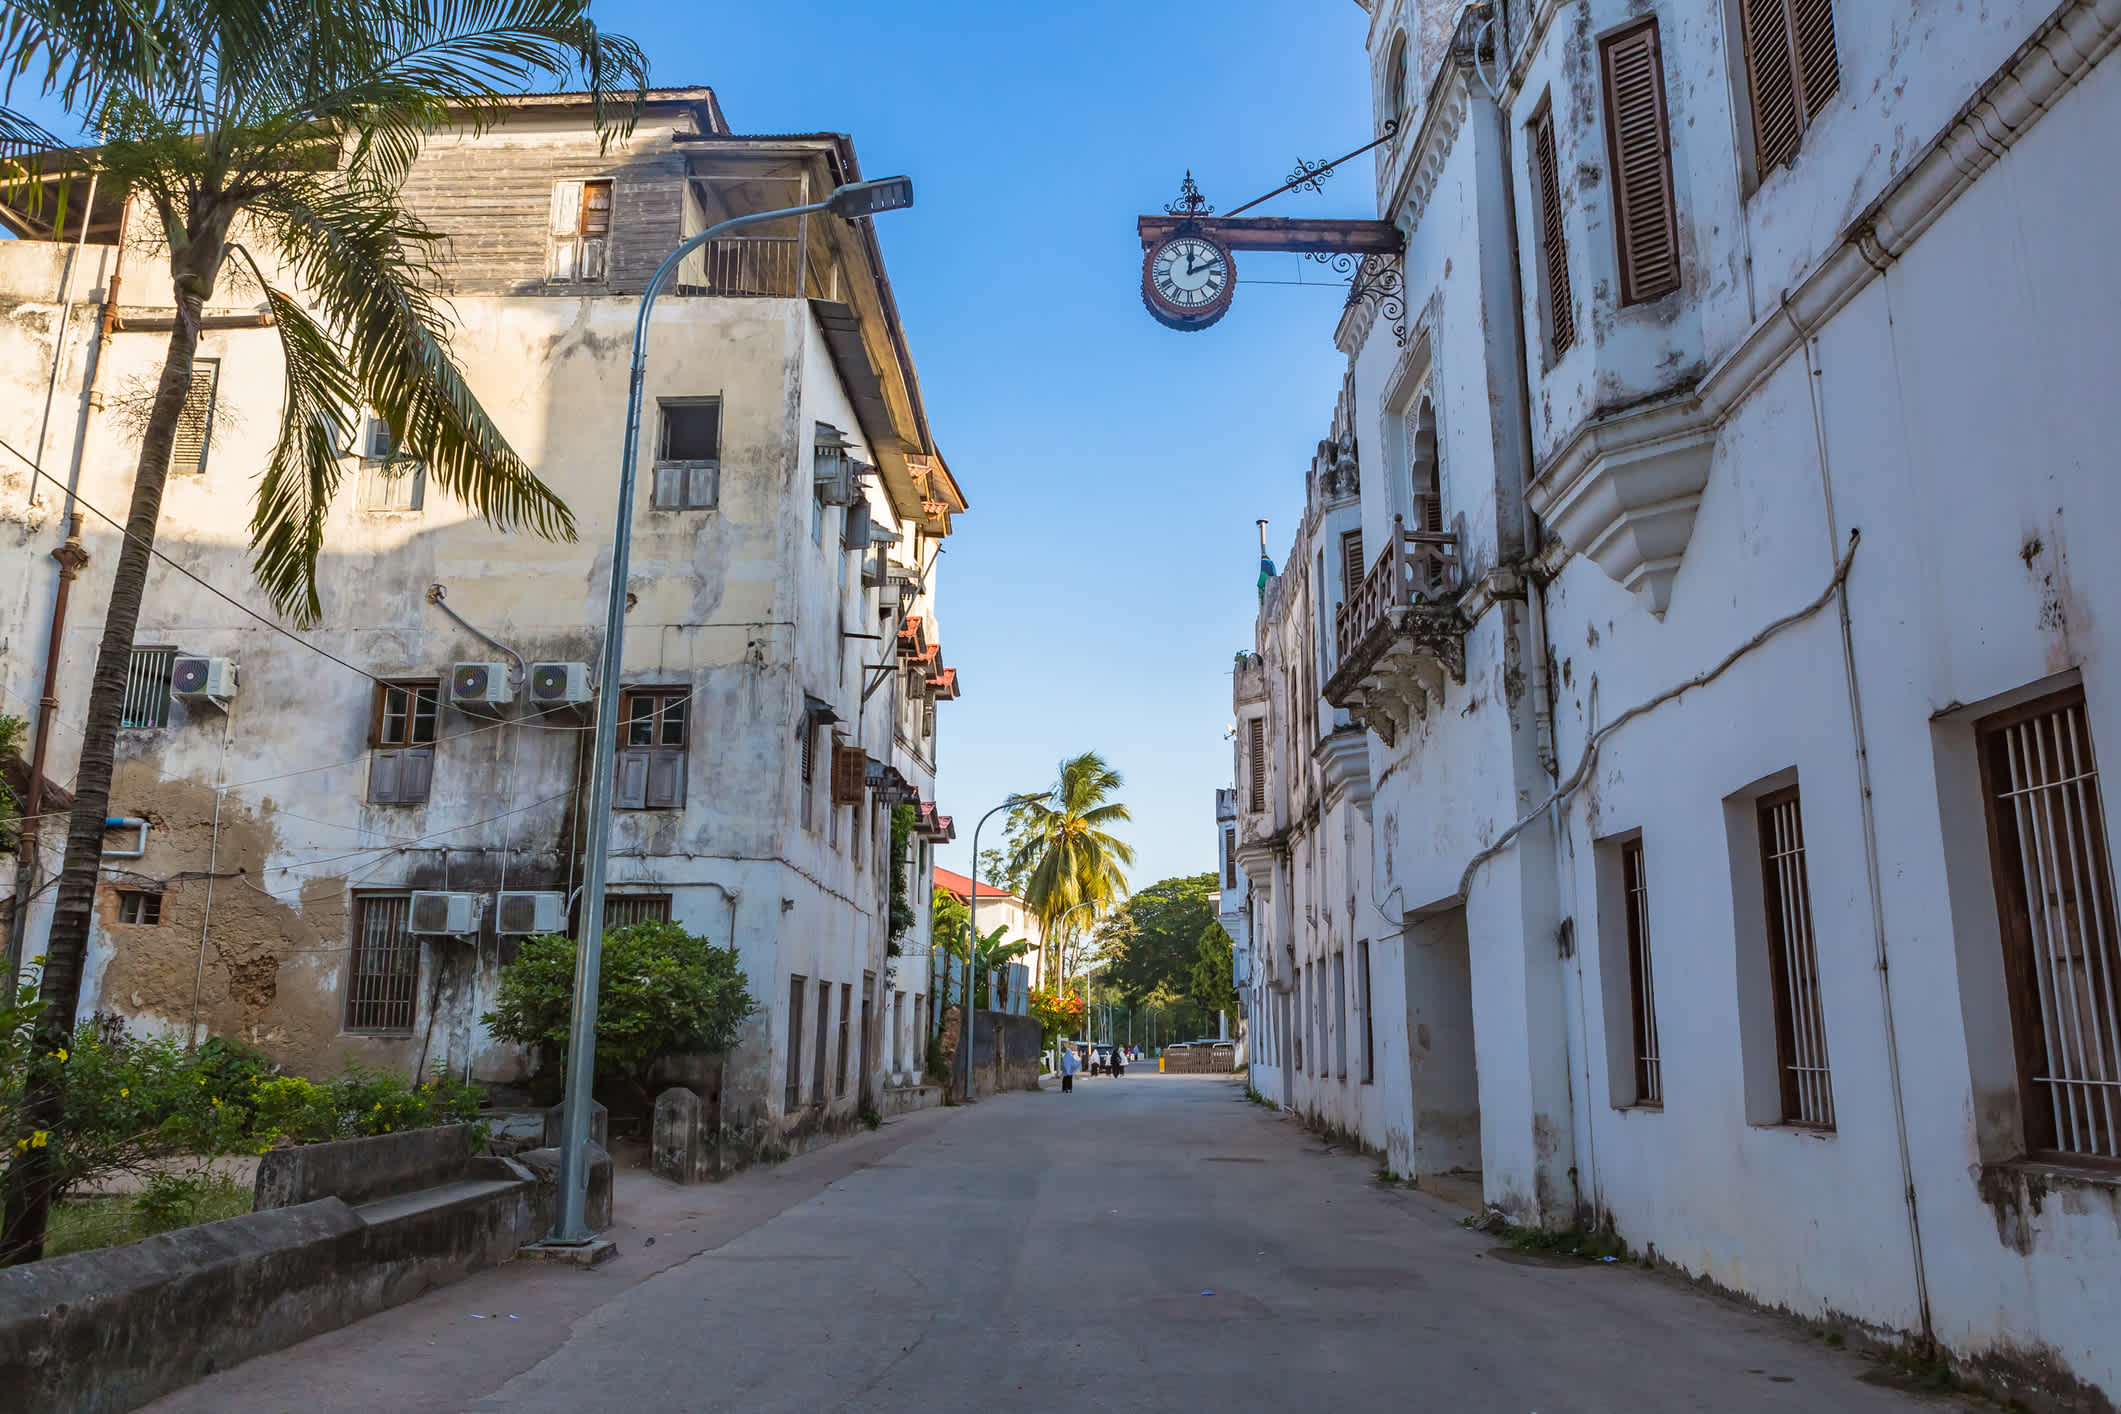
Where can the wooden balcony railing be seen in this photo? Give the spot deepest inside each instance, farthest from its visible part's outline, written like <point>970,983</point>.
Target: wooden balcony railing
<point>1417,566</point>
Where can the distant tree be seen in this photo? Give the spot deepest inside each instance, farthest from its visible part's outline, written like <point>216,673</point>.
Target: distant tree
<point>1067,851</point>
<point>1155,938</point>
<point>1213,988</point>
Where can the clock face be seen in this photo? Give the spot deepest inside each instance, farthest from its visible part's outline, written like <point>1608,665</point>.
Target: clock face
<point>1187,281</point>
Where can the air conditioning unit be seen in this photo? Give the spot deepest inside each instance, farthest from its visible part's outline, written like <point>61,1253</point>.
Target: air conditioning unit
<point>476,685</point>
<point>558,684</point>
<point>524,911</point>
<point>452,914</point>
<point>203,680</point>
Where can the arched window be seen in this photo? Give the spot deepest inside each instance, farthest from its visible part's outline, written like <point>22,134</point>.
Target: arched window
<point>1399,81</point>
<point>1425,478</point>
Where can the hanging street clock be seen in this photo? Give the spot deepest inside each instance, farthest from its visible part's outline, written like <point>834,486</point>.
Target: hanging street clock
<point>1187,280</point>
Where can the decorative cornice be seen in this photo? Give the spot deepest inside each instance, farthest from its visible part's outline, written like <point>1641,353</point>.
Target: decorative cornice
<point>1624,488</point>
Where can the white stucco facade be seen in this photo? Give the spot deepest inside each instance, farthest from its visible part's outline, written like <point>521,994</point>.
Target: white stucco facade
<point>1795,540</point>
<point>763,613</point>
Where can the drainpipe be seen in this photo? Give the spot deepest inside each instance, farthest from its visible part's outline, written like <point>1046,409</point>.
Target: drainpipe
<point>71,558</point>
<point>1813,374</point>
<point>66,309</point>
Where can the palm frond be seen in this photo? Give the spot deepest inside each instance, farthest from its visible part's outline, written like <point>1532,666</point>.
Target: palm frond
<point>362,262</point>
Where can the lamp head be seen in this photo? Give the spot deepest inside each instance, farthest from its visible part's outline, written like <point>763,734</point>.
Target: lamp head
<point>868,198</point>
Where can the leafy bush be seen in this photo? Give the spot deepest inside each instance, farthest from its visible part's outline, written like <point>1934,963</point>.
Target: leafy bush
<point>358,1102</point>
<point>1058,1013</point>
<point>664,991</point>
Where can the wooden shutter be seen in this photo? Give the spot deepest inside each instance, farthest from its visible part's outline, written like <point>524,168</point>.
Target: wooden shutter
<point>385,771</point>
<point>195,421</point>
<point>1641,150</point>
<point>700,486</point>
<point>630,788</point>
<point>850,766</point>
<point>596,229</point>
<point>1258,752</point>
<point>1791,71</point>
<point>1561,300</point>
<point>417,774</point>
<point>665,786</point>
<point>565,229</point>
<point>1352,566</point>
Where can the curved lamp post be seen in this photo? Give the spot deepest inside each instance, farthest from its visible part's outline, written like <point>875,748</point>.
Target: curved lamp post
<point>849,202</point>
<point>964,1037</point>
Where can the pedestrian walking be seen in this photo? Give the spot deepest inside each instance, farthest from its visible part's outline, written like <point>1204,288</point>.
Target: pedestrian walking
<point>1068,1066</point>
<point>1119,1060</point>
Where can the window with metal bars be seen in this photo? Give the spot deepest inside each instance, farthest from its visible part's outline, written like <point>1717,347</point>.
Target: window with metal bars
<point>147,673</point>
<point>1256,753</point>
<point>846,1033</point>
<point>824,1024</point>
<point>622,909</point>
<point>140,908</point>
<point>1640,145</point>
<point>808,768</point>
<point>792,1092</point>
<point>383,973</point>
<point>195,422</point>
<point>1642,993</point>
<point>1556,296</point>
<point>1229,859</point>
<point>1369,1028</point>
<point>1806,1083</point>
<point>1792,70</point>
<point>653,727</point>
<point>401,762</point>
<point>1340,1014</point>
<point>2055,898</point>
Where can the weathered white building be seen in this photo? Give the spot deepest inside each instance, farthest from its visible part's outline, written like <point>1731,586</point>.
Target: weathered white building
<point>1726,654</point>
<point>783,661</point>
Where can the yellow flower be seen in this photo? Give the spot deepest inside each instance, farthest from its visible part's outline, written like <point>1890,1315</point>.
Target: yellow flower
<point>379,1104</point>
<point>39,1139</point>
<point>123,1092</point>
<point>60,1055</point>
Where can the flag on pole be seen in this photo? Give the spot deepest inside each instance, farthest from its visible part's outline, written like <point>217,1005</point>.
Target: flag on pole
<point>1266,565</point>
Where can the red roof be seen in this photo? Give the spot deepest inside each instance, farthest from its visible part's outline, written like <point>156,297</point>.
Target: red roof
<point>961,886</point>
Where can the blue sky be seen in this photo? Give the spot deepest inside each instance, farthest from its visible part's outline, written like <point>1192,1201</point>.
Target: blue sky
<point>1096,592</point>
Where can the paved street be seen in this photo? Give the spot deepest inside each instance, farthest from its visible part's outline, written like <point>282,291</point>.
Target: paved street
<point>1058,1252</point>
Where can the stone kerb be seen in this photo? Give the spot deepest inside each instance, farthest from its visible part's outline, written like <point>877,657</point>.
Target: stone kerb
<point>359,1170</point>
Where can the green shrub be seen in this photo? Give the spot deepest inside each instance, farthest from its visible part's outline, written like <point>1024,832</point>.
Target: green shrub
<point>358,1102</point>
<point>664,991</point>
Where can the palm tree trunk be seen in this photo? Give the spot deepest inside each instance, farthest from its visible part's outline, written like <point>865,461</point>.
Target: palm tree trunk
<point>30,1185</point>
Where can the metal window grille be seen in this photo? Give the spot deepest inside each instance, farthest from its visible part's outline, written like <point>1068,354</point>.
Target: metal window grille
<point>1229,859</point>
<point>384,975</point>
<point>2055,892</point>
<point>1800,1020</point>
<point>824,1024</point>
<point>1642,992</point>
<point>1369,1030</point>
<point>1257,741</point>
<point>622,909</point>
<point>792,1095</point>
<point>147,687</point>
<point>846,1028</point>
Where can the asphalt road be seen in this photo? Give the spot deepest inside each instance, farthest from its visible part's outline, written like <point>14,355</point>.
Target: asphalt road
<point>1147,1243</point>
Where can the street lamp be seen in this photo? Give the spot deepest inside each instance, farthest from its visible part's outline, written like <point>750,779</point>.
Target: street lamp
<point>964,1033</point>
<point>856,199</point>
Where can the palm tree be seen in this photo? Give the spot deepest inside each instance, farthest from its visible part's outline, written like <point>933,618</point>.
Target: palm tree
<point>272,137</point>
<point>1066,852</point>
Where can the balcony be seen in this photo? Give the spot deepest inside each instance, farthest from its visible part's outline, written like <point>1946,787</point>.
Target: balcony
<point>1403,634</point>
<point>744,265</point>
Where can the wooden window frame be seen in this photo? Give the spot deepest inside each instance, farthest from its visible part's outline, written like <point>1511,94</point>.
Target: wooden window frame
<point>401,757</point>
<point>686,483</point>
<point>1369,1025</point>
<point>1798,1000</point>
<point>839,1089</point>
<point>1557,294</point>
<point>145,905</point>
<point>1353,569</point>
<point>1640,285</point>
<point>1340,1014</point>
<point>651,774</point>
<point>387,483</point>
<point>586,241</point>
<point>1648,1065</point>
<point>2037,1041</point>
<point>392,993</point>
<point>1256,764</point>
<point>1229,857</point>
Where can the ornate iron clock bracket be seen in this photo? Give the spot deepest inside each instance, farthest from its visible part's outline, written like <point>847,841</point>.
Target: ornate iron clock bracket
<point>1378,281</point>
